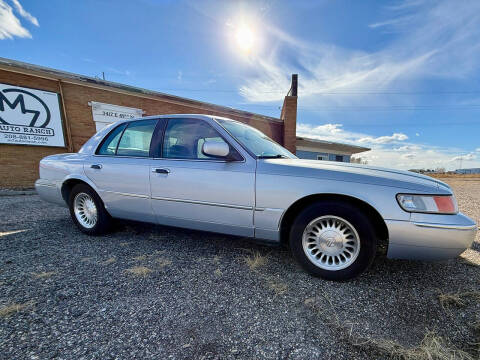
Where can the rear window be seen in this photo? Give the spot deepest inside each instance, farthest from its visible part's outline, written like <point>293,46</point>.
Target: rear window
<point>109,145</point>
<point>130,139</point>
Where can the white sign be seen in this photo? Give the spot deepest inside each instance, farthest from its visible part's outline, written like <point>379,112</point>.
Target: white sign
<point>30,117</point>
<point>104,114</point>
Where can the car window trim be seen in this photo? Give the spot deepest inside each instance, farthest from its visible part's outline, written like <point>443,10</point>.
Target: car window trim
<point>156,144</point>
<point>121,135</point>
<point>210,160</point>
<point>236,140</point>
<point>127,124</point>
<point>106,137</point>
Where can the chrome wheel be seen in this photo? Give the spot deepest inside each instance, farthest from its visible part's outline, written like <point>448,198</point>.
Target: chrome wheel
<point>85,210</point>
<point>331,243</point>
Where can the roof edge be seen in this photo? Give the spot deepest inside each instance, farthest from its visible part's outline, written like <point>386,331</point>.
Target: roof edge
<point>326,142</point>
<point>6,64</point>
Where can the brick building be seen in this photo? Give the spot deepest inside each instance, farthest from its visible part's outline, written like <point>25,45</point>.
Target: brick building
<point>25,90</point>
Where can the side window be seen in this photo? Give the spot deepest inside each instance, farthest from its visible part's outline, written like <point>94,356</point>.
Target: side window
<point>136,139</point>
<point>109,145</point>
<point>184,138</point>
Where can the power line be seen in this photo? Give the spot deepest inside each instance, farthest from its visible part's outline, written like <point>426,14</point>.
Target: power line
<point>359,92</point>
<point>376,107</point>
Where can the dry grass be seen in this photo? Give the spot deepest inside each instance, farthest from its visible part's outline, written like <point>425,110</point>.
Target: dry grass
<point>162,262</point>
<point>432,347</point>
<point>278,287</point>
<point>85,259</point>
<point>44,274</point>
<point>455,176</point>
<point>458,299</point>
<point>147,256</point>
<point>476,325</point>
<point>10,309</point>
<point>139,271</point>
<point>255,260</point>
<point>124,244</point>
<point>109,261</point>
<point>5,233</point>
<point>451,300</point>
<point>218,272</point>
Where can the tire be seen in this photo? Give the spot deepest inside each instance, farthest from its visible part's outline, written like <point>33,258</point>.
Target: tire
<point>87,211</point>
<point>339,243</point>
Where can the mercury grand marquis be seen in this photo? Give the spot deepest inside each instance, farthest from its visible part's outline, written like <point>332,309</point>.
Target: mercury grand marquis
<point>216,174</point>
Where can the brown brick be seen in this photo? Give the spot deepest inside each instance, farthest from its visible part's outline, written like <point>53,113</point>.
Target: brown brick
<point>19,163</point>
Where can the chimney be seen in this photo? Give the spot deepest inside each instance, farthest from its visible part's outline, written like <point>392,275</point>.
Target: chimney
<point>289,116</point>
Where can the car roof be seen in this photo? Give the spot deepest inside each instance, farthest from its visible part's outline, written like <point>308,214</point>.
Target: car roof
<point>170,116</point>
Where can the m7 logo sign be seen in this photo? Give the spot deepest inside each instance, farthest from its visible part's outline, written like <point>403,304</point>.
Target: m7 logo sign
<point>30,117</point>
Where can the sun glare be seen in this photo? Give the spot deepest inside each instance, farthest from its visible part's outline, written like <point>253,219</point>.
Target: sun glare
<point>245,38</point>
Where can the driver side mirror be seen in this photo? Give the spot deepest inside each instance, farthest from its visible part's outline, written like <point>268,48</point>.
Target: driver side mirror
<point>216,149</point>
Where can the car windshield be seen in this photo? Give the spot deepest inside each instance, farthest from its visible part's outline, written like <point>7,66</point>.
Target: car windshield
<point>254,140</point>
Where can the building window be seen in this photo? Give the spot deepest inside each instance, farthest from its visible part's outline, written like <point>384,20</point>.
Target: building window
<point>339,158</point>
<point>322,157</point>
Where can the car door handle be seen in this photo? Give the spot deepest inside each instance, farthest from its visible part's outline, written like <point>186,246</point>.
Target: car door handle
<point>161,171</point>
<point>96,166</point>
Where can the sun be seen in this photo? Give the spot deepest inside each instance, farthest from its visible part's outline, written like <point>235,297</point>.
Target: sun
<point>245,38</point>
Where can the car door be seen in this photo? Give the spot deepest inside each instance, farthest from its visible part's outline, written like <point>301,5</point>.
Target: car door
<point>190,189</point>
<point>120,169</point>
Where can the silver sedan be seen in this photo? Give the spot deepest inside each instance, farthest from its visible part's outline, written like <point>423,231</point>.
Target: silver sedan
<point>216,174</point>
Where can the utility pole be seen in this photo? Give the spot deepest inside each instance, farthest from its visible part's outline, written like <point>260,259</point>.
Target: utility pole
<point>103,75</point>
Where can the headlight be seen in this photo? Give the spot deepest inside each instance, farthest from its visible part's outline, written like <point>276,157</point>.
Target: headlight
<point>437,204</point>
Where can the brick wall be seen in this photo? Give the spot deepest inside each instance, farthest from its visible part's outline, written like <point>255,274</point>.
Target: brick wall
<point>289,117</point>
<point>19,163</point>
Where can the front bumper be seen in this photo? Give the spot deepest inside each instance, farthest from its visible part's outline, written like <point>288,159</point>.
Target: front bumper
<point>428,239</point>
<point>49,191</point>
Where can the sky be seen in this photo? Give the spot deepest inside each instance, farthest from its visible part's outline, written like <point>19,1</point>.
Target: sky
<point>401,77</point>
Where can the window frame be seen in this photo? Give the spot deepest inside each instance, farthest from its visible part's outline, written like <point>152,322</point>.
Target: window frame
<point>158,154</point>
<point>128,123</point>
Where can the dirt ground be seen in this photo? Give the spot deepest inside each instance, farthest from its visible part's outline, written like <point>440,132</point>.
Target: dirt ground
<point>154,292</point>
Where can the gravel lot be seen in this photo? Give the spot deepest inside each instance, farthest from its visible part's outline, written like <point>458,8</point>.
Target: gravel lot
<point>147,291</point>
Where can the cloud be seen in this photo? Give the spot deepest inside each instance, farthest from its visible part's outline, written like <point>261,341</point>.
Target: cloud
<point>394,153</point>
<point>25,14</point>
<point>335,132</point>
<point>119,72</point>
<point>384,139</point>
<point>409,148</point>
<point>470,156</point>
<point>10,25</point>
<point>432,40</point>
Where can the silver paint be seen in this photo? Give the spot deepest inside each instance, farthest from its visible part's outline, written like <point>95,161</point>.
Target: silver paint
<point>250,197</point>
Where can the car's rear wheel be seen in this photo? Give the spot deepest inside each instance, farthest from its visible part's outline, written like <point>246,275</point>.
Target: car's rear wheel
<point>333,240</point>
<point>87,210</point>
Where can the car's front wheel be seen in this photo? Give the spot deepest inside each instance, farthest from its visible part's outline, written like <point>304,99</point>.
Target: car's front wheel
<point>333,240</point>
<point>87,210</point>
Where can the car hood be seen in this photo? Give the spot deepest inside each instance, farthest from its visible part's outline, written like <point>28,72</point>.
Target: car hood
<point>352,173</point>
